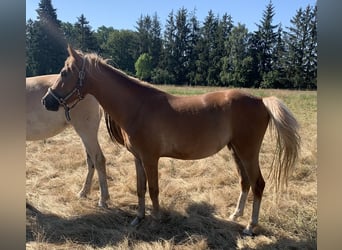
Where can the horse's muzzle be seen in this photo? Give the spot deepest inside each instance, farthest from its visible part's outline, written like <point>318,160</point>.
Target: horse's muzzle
<point>50,102</point>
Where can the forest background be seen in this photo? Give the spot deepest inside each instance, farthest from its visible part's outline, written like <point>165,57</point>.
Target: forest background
<point>186,51</point>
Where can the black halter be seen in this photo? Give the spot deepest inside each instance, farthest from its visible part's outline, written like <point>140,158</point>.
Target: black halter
<point>63,101</point>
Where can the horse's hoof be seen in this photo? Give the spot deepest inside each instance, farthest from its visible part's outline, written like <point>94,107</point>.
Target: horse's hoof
<point>103,205</point>
<point>248,231</point>
<point>136,221</point>
<point>233,217</point>
<point>82,195</point>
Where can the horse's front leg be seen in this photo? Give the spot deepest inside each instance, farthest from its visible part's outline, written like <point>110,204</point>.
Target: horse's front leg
<point>151,169</point>
<point>87,184</point>
<point>141,190</point>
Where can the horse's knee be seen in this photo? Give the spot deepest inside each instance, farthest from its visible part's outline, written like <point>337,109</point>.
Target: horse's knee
<point>100,161</point>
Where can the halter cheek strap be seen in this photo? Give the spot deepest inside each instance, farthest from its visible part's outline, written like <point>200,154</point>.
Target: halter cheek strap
<point>63,101</point>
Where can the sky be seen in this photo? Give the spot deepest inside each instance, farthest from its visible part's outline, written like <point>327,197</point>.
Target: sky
<point>124,14</point>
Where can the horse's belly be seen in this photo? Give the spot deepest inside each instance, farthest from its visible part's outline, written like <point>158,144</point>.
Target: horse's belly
<point>197,148</point>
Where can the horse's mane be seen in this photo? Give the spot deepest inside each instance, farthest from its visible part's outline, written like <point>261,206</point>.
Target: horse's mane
<point>93,61</point>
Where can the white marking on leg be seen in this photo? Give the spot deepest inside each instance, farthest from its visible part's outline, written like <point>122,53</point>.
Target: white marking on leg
<point>240,206</point>
<point>254,218</point>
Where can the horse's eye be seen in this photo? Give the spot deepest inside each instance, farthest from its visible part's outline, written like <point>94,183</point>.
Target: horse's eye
<point>63,73</point>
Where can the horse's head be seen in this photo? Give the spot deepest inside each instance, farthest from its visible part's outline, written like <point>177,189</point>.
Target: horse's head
<point>67,89</point>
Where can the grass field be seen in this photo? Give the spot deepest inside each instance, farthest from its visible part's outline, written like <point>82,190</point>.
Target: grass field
<point>197,197</point>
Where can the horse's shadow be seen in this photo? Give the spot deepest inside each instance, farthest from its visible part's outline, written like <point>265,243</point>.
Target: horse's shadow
<point>111,226</point>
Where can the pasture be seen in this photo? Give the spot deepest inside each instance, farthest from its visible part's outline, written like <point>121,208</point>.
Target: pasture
<point>196,196</point>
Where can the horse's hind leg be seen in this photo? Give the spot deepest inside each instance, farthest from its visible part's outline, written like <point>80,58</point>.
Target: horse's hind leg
<point>248,163</point>
<point>258,185</point>
<point>244,182</point>
<point>100,165</point>
<point>87,130</point>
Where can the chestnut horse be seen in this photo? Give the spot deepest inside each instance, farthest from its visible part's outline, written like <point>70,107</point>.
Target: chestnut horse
<point>154,124</point>
<point>85,119</point>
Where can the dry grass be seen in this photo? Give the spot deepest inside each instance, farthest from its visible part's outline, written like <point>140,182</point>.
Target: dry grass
<point>197,197</point>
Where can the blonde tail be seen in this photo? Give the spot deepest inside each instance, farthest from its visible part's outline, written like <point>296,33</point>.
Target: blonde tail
<point>285,126</point>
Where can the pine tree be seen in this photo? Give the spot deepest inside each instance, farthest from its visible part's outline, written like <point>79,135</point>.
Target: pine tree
<point>156,41</point>
<point>102,35</point>
<point>144,27</point>
<point>120,48</point>
<point>149,37</point>
<point>266,36</point>
<point>86,40</point>
<point>49,51</point>
<point>165,72</point>
<point>302,45</point>
<point>236,66</point>
<point>207,46</point>
<point>194,35</point>
<point>181,47</point>
<point>31,64</point>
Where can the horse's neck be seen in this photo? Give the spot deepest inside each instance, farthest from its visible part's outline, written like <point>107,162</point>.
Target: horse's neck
<point>117,94</point>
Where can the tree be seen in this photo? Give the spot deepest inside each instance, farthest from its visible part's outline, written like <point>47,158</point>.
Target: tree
<point>85,38</point>
<point>48,43</point>
<point>302,46</point>
<point>181,48</point>
<point>205,73</point>
<point>31,63</point>
<point>165,72</point>
<point>143,67</point>
<point>266,40</point>
<point>149,37</point>
<point>236,66</point>
<point>102,35</point>
<point>70,34</point>
<point>120,48</point>
<point>194,35</point>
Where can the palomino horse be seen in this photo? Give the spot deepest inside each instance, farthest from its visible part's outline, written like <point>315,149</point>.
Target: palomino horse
<point>155,124</point>
<point>85,119</point>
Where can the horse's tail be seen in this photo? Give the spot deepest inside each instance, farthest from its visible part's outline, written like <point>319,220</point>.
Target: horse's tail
<point>285,126</point>
<point>113,129</point>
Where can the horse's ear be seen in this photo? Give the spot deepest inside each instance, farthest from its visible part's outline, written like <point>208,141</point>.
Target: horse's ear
<point>73,53</point>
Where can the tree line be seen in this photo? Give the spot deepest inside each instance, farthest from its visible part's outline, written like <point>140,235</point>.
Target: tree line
<point>215,52</point>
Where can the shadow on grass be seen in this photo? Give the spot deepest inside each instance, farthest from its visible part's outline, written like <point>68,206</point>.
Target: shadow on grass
<point>111,226</point>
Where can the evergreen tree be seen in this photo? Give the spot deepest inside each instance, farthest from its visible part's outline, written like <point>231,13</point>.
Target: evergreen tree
<point>181,48</point>
<point>70,34</point>
<point>49,44</point>
<point>156,41</point>
<point>279,76</point>
<point>144,27</point>
<point>194,35</point>
<point>165,72</point>
<point>206,73</point>
<point>266,37</point>
<point>236,66</point>
<point>102,35</point>
<point>85,38</point>
<point>302,44</point>
<point>224,31</point>
<point>149,37</point>
<point>120,48</point>
<point>31,63</point>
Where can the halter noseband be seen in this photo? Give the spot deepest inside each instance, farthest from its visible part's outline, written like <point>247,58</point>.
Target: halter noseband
<point>63,101</point>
